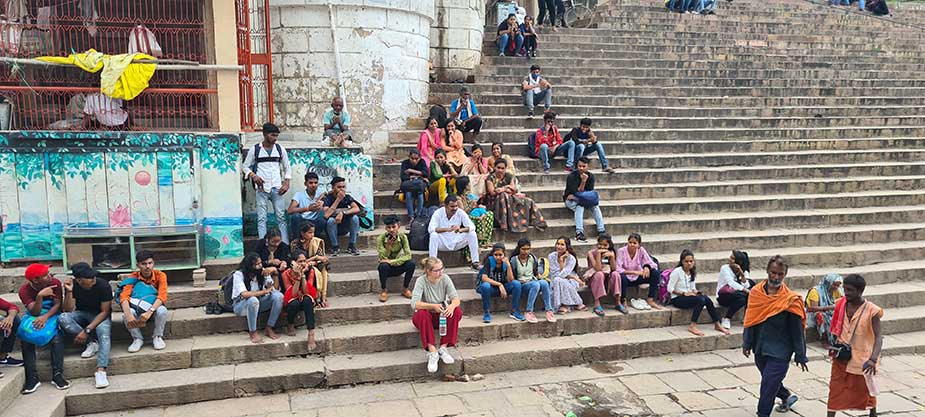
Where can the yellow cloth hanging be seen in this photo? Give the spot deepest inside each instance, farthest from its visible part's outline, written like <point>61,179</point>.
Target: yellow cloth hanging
<point>121,78</point>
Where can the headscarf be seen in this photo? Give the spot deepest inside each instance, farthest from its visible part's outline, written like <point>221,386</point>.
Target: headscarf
<point>823,320</point>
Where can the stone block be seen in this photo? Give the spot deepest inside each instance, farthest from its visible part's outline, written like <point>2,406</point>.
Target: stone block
<point>363,394</point>
<point>151,389</point>
<point>175,356</point>
<point>304,16</point>
<point>256,377</point>
<point>256,405</point>
<point>684,381</point>
<point>697,401</point>
<point>662,404</point>
<point>289,40</point>
<point>440,405</point>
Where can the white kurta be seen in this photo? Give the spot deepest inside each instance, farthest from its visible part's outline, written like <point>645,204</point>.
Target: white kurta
<point>451,241</point>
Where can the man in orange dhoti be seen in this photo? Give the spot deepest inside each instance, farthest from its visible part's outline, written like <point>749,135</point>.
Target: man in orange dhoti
<point>774,331</point>
<point>856,322</point>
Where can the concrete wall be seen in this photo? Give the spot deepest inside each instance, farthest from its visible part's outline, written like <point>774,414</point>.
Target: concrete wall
<point>456,38</point>
<point>384,47</point>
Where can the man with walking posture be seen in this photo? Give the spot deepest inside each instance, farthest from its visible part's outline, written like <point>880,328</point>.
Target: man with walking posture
<point>855,323</point>
<point>267,165</point>
<point>774,329</point>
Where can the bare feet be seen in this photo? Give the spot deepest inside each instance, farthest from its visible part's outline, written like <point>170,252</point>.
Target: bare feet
<point>653,304</point>
<point>311,340</point>
<point>694,330</point>
<point>719,327</point>
<point>271,334</point>
<point>290,330</point>
<point>255,337</point>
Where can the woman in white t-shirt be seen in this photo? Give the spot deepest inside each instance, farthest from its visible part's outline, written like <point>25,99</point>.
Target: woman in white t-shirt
<point>733,285</point>
<point>254,292</point>
<point>684,294</point>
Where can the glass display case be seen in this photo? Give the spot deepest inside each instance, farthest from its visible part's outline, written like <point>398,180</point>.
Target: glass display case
<point>112,250</point>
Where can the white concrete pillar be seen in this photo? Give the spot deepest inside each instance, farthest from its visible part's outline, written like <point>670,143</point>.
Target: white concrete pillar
<point>456,38</point>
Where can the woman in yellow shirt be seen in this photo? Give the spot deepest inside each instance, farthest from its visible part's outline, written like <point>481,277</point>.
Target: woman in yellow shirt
<point>820,304</point>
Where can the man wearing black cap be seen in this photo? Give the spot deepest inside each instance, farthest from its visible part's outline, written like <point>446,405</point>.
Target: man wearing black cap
<point>87,307</point>
<point>267,166</point>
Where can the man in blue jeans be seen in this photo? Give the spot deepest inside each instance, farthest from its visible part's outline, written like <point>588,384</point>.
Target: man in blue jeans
<point>497,279</point>
<point>775,323</point>
<point>306,206</point>
<point>342,214</point>
<point>87,307</point>
<point>549,143</point>
<point>267,166</point>
<point>578,181</point>
<point>586,143</point>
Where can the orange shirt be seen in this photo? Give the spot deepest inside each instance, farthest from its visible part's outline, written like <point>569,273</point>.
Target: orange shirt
<point>158,280</point>
<point>863,344</point>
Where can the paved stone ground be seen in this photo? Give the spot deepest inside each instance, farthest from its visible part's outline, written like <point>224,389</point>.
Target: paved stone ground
<point>715,384</point>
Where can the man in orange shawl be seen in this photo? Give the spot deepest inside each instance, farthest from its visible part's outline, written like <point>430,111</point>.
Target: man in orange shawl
<point>775,323</point>
<point>856,322</point>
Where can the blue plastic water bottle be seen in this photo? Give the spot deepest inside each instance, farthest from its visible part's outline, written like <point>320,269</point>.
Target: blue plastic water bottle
<point>442,325</point>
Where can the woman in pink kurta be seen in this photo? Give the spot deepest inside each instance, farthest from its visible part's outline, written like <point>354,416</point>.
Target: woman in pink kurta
<point>601,275</point>
<point>636,267</point>
<point>431,139</point>
<point>455,155</point>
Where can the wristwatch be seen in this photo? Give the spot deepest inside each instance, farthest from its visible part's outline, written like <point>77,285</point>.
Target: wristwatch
<point>87,330</point>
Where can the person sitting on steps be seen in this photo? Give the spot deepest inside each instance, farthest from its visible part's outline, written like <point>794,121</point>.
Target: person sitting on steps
<point>273,252</point>
<point>342,213</point>
<point>820,305</point>
<point>414,177</point>
<point>144,295</point>
<point>582,181</point>
<point>733,285</point>
<point>531,37</point>
<point>394,258</point>
<point>535,88</point>
<point>434,296</point>
<point>337,125</point>
<point>497,153</point>
<point>636,267</point>
<point>455,152</point>
<point>254,292</point>
<point>307,205</point>
<point>451,229</point>
<point>509,37</point>
<point>464,110</point>
<point>526,269</point>
<point>602,276</point>
<point>444,179</point>
<point>684,294</point>
<point>299,295</point>
<point>314,249</point>
<point>565,281</point>
<point>497,279</point>
<point>41,296</point>
<point>8,327</point>
<point>549,144</point>
<point>87,309</point>
<point>586,143</point>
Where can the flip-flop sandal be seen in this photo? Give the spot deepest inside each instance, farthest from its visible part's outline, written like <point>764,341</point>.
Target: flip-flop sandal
<point>599,311</point>
<point>582,308</point>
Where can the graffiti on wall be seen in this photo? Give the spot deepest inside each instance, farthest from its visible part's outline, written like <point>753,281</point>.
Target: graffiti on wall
<point>349,163</point>
<point>50,180</point>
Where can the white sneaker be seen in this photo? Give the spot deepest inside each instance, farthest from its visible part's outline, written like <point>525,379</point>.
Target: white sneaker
<point>644,304</point>
<point>445,356</point>
<point>432,358</point>
<point>638,304</point>
<point>135,346</point>
<point>101,380</point>
<point>727,324</point>
<point>158,343</point>
<point>91,350</point>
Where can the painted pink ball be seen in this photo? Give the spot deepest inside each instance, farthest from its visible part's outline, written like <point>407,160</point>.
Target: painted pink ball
<point>225,239</point>
<point>142,178</point>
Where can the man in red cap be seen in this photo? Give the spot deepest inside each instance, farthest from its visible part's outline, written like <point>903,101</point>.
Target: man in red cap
<point>40,292</point>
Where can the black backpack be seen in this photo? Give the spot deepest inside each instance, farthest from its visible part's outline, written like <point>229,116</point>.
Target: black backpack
<point>258,159</point>
<point>223,294</point>
<point>419,236</point>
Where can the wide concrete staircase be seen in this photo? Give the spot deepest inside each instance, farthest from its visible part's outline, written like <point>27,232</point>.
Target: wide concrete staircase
<point>775,128</point>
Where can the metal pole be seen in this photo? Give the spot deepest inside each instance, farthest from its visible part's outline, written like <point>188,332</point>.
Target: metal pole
<point>340,77</point>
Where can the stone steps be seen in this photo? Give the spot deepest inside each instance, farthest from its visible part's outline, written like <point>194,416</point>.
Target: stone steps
<point>687,91</point>
<point>227,381</point>
<point>506,110</point>
<point>46,402</point>
<point>725,62</point>
<point>716,81</point>
<point>517,72</point>
<point>698,101</point>
<point>803,121</point>
<point>499,135</point>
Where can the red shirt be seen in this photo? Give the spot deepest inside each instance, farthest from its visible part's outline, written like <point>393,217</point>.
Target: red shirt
<point>27,294</point>
<point>548,139</point>
<point>7,306</point>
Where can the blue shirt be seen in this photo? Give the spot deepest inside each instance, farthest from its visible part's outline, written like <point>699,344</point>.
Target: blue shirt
<point>304,201</point>
<point>464,114</point>
<point>344,119</point>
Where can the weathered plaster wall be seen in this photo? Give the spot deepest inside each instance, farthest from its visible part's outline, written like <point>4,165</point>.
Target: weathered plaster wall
<point>456,38</point>
<point>384,47</point>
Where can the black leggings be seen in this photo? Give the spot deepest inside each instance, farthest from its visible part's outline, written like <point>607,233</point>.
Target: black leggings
<point>733,301</point>
<point>696,303</point>
<point>307,305</point>
<point>550,6</point>
<point>386,271</point>
<point>625,283</point>
<point>529,44</point>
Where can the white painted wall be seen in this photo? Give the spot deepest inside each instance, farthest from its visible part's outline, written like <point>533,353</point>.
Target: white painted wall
<point>384,48</point>
<point>456,38</point>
